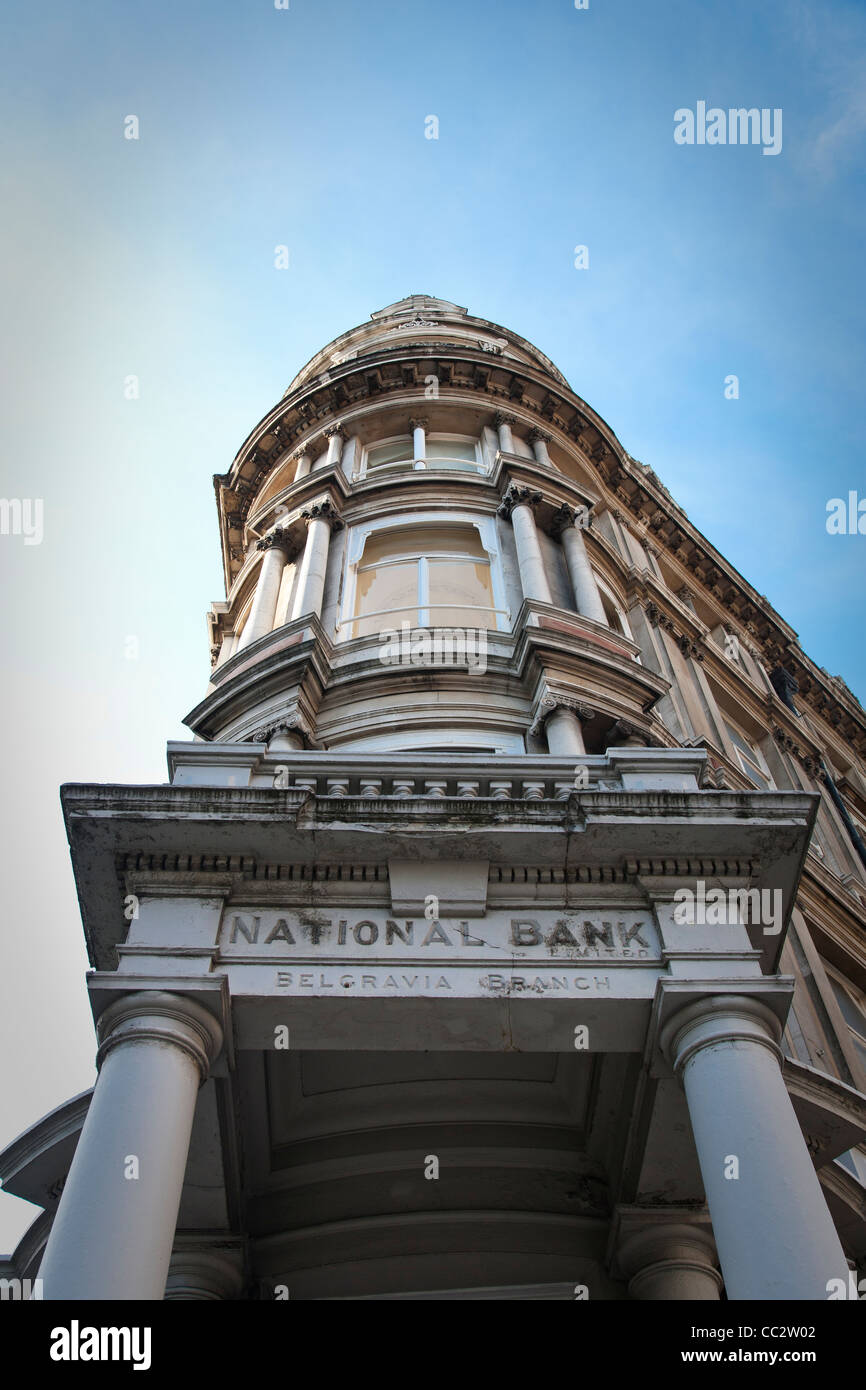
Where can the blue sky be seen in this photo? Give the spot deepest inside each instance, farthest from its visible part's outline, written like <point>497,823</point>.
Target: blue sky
<point>305,127</point>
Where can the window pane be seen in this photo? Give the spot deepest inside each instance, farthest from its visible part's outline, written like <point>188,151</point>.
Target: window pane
<point>851,1014</point>
<point>421,540</point>
<point>454,583</point>
<point>398,451</point>
<point>391,587</point>
<point>451,449</point>
<point>751,770</point>
<point>390,575</point>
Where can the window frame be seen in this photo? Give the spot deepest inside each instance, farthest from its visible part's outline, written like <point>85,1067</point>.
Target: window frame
<point>410,464</point>
<point>741,757</point>
<point>607,592</point>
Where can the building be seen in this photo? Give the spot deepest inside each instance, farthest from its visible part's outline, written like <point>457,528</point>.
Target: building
<point>500,932</point>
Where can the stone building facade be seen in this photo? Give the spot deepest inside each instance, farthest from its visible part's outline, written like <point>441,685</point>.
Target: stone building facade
<point>500,931</point>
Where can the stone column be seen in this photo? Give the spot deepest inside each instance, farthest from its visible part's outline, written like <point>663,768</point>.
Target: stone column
<point>562,727</point>
<point>502,424</point>
<point>261,620</point>
<point>418,427</point>
<point>539,441</point>
<point>286,736</point>
<point>670,1263</point>
<point>304,461</point>
<point>335,437</point>
<point>773,1232</point>
<point>320,518</point>
<point>564,734</point>
<point>586,595</point>
<point>114,1230</point>
<point>518,504</point>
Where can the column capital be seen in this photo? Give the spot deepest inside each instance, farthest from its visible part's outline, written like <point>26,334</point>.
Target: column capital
<point>551,703</point>
<point>302,451</point>
<point>518,497</point>
<point>277,539</point>
<point>622,731</point>
<point>285,735</point>
<point>503,418</point>
<point>567,516</point>
<point>536,433</point>
<point>719,1018</point>
<point>337,428</point>
<point>323,510</point>
<point>160,1017</point>
<point>418,422</point>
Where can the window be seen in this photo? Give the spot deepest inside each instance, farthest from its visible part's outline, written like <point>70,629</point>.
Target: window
<point>425,575</point>
<point>451,451</point>
<point>392,453</point>
<point>616,619</point>
<point>750,759</point>
<point>852,1003</point>
<point>855,1161</point>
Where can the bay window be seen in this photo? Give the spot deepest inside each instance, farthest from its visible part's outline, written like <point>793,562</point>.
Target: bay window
<point>436,574</point>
